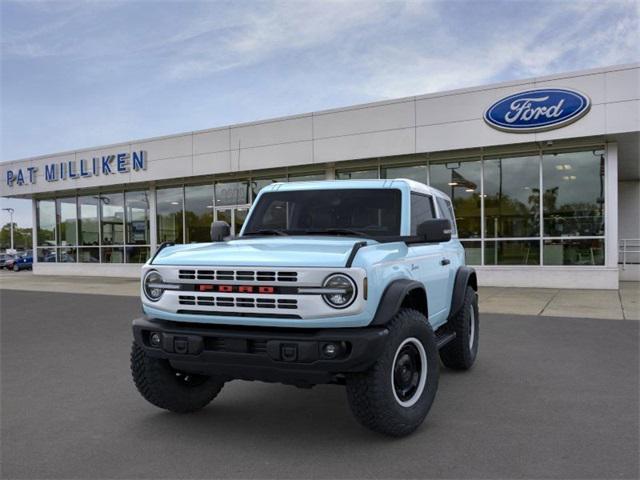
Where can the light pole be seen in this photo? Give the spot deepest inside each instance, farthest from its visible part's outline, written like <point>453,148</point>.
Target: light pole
<point>10,210</point>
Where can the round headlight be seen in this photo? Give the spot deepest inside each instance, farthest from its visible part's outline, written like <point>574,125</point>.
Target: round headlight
<point>341,290</point>
<point>152,286</point>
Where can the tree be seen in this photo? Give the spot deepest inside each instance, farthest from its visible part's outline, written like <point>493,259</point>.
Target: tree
<point>22,237</point>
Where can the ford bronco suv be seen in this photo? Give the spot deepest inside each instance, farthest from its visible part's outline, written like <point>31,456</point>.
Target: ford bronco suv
<point>358,283</point>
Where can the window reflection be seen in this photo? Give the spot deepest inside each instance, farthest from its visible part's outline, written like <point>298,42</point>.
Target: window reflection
<point>307,177</point>
<point>574,252</point>
<point>232,193</point>
<point>46,218</point>
<point>573,197</point>
<point>512,197</point>
<point>365,174</point>
<point>512,252</point>
<point>461,181</point>
<point>258,184</point>
<point>88,220</point>
<point>169,207</point>
<point>137,218</point>
<point>67,220</point>
<point>47,255</point>
<point>472,252</point>
<point>412,172</point>
<point>112,218</point>
<point>198,212</point>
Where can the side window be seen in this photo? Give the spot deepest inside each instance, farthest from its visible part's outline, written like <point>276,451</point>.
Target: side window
<point>447,210</point>
<point>421,210</point>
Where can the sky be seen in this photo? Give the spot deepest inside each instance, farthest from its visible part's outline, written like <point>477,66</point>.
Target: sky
<point>87,73</point>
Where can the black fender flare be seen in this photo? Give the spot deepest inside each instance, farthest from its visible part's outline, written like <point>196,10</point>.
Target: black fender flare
<point>393,297</point>
<point>465,276</point>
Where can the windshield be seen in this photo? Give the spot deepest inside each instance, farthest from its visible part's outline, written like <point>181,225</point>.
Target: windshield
<point>357,212</point>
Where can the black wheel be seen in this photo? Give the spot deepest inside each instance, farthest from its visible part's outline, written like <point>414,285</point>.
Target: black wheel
<point>461,352</point>
<point>394,396</point>
<point>16,268</point>
<point>167,388</point>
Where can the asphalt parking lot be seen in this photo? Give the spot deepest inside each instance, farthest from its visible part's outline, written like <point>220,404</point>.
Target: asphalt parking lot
<point>548,398</point>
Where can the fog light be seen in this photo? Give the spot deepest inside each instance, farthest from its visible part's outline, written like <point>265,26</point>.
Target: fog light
<point>330,350</point>
<point>156,339</point>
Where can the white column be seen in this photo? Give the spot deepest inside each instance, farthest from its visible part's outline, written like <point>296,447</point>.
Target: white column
<point>611,205</point>
<point>153,234</point>
<point>330,171</point>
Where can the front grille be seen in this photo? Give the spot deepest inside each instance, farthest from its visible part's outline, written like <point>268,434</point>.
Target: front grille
<point>237,275</point>
<point>238,302</point>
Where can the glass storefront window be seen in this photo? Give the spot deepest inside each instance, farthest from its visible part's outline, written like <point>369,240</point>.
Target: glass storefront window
<point>198,213</point>
<point>472,252</point>
<point>364,174</point>
<point>112,254</point>
<point>573,198</point>
<point>67,221</point>
<point>89,255</point>
<point>307,177</point>
<point>137,254</point>
<point>574,251</point>
<point>512,252</point>
<point>66,255</point>
<point>88,220</point>
<point>46,218</point>
<point>137,218</point>
<point>239,217</point>
<point>258,184</point>
<point>412,172</point>
<point>169,207</point>
<point>112,218</point>
<point>232,193</point>
<point>461,181</point>
<point>512,197</point>
<point>46,254</point>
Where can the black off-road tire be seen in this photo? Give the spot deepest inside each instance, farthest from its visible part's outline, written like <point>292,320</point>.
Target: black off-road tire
<point>461,352</point>
<point>164,387</point>
<point>371,394</point>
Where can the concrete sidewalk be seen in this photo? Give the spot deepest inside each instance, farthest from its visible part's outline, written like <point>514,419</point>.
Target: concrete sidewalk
<point>623,304</point>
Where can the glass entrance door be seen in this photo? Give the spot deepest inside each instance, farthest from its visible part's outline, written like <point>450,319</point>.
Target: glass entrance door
<point>234,216</point>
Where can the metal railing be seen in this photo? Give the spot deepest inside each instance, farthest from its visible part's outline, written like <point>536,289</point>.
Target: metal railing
<point>628,249</point>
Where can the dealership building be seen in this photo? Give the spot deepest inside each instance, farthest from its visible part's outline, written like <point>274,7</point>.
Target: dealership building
<point>544,174</point>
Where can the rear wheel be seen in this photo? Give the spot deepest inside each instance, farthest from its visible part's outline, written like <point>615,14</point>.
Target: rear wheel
<point>461,352</point>
<point>163,386</point>
<point>394,396</point>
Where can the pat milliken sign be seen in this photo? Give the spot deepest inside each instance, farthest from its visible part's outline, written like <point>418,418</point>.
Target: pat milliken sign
<point>537,110</point>
<point>104,165</point>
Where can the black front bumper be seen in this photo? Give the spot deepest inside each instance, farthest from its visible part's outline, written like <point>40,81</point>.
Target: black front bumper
<point>295,356</point>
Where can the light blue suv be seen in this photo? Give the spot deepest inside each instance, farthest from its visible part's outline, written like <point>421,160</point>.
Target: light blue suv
<point>358,283</point>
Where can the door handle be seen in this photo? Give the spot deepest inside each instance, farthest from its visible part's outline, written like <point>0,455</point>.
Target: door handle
<point>445,261</point>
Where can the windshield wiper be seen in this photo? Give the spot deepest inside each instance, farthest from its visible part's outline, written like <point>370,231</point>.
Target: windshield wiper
<point>267,231</point>
<point>337,231</point>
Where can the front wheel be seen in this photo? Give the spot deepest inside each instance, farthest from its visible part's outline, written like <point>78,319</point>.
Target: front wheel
<point>163,386</point>
<point>394,396</point>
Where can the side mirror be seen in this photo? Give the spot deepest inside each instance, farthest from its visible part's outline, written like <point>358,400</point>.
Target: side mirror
<point>219,231</point>
<point>436,230</point>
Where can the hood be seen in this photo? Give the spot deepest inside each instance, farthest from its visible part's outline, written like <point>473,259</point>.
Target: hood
<point>311,251</point>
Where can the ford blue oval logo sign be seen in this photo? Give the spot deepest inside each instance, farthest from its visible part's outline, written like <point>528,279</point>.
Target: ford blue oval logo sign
<point>537,110</point>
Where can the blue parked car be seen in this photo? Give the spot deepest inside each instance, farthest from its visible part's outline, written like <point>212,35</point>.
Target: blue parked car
<point>23,261</point>
<point>357,283</point>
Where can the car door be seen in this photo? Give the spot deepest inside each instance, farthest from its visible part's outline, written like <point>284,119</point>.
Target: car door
<point>426,260</point>
<point>452,250</point>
